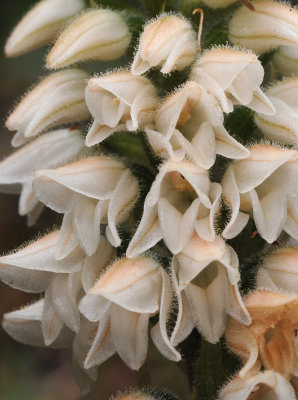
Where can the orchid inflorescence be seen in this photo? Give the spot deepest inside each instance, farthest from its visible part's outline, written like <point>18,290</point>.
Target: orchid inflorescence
<point>179,191</point>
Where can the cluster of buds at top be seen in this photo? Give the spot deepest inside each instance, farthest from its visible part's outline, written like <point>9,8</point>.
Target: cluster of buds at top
<point>101,285</point>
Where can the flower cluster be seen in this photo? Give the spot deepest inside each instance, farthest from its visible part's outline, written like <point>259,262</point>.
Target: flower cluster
<point>117,264</point>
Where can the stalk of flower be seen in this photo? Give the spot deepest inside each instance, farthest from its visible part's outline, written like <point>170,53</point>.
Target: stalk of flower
<point>57,99</point>
<point>190,123</point>
<point>89,192</point>
<point>167,41</point>
<point>285,60</point>
<point>268,384</point>
<point>119,101</point>
<point>122,300</point>
<point>279,270</point>
<point>270,25</point>
<point>205,276</point>
<point>40,25</point>
<point>181,200</point>
<point>263,186</point>
<point>270,340</point>
<point>283,125</point>
<point>99,34</point>
<point>233,77</point>
<point>48,150</point>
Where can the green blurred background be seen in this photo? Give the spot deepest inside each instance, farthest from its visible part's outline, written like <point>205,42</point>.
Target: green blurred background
<point>37,373</point>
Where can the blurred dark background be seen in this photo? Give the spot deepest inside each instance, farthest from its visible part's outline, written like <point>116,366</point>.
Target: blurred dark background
<point>28,373</point>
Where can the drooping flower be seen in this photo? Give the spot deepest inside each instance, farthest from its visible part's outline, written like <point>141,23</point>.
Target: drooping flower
<point>181,199</point>
<point>190,123</point>
<point>100,34</point>
<point>270,340</point>
<point>263,385</point>
<point>279,270</point>
<point>57,99</point>
<point>265,186</point>
<point>119,101</point>
<point>168,42</point>
<point>89,192</point>
<point>270,25</point>
<point>48,150</point>
<point>233,77</point>
<point>123,300</point>
<point>40,25</point>
<point>283,125</point>
<point>205,276</point>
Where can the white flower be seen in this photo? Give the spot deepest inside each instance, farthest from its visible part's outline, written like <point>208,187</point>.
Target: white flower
<point>57,99</point>
<point>168,42</point>
<point>119,101</point>
<point>40,25</point>
<point>181,199</point>
<point>233,77</point>
<point>48,150</point>
<point>279,271</point>
<point>285,60</point>
<point>32,268</point>
<point>190,123</point>
<point>205,276</point>
<point>123,300</point>
<point>25,326</point>
<point>283,125</point>
<point>35,269</point>
<point>268,383</point>
<point>264,185</point>
<point>89,192</point>
<point>96,35</point>
<point>270,25</point>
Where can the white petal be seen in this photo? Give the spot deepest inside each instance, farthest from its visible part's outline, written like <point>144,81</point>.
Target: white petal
<point>129,331</point>
<point>123,199</point>
<point>98,133</point>
<point>159,331</point>
<point>227,146</point>
<point>147,234</point>
<point>25,325</point>
<point>51,324</point>
<point>269,213</point>
<point>64,291</point>
<point>67,239</point>
<point>102,346</point>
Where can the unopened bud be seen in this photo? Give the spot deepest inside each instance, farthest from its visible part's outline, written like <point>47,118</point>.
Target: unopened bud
<point>57,99</point>
<point>168,42</point>
<point>40,25</point>
<point>99,34</point>
<point>152,394</point>
<point>270,25</point>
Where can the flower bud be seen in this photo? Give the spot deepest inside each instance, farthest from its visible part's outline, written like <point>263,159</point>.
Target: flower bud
<point>119,101</point>
<point>40,25</point>
<point>168,42</point>
<point>283,125</point>
<point>285,60</point>
<point>270,25</point>
<point>57,99</point>
<point>99,34</point>
<point>218,3</point>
